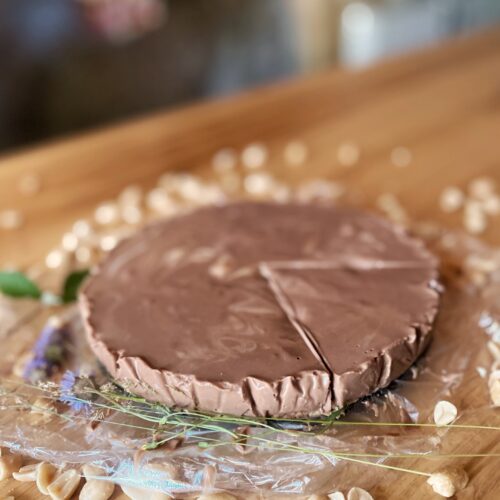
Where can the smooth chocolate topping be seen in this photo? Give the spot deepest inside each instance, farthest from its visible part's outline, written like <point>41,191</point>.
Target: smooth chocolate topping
<point>368,325</point>
<point>262,309</point>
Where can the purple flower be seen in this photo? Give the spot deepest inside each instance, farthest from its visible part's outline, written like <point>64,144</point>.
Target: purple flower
<point>48,353</point>
<point>73,391</point>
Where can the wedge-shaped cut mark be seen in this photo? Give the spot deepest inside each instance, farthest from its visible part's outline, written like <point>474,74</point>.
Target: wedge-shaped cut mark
<point>366,325</point>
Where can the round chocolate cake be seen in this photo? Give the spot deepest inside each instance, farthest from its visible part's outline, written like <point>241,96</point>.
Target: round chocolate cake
<point>262,309</point>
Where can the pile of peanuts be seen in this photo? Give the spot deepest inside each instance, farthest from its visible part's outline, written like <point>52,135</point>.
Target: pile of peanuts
<point>62,485</point>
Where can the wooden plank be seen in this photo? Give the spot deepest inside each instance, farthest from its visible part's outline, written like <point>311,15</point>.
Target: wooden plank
<point>443,104</point>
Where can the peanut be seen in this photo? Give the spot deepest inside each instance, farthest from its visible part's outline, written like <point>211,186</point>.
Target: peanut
<point>26,473</point>
<point>45,474</point>
<point>144,494</point>
<point>97,489</point>
<point>64,485</point>
<point>9,463</point>
<point>358,494</point>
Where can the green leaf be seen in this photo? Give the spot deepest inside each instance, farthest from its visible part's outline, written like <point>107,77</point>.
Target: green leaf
<point>72,284</point>
<point>16,284</point>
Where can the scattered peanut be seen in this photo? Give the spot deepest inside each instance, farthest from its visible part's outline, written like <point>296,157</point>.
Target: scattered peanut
<point>41,411</point>
<point>131,196</point>
<point>336,495</point>
<point>144,494</point>
<point>230,182</point>
<point>481,188</point>
<point>217,496</point>
<point>494,386</point>
<point>295,153</point>
<point>11,219</point>
<point>475,221</point>
<point>91,471</point>
<point>444,413</point>
<point>165,470</point>
<point>491,205</point>
<point>45,474</point>
<point>348,154</point>
<point>401,157</point>
<point>391,206</point>
<point>494,350</point>
<point>259,184</point>
<point>9,463</point>
<point>159,201</point>
<point>254,155</point>
<point>448,481</point>
<point>64,485</point>
<point>224,160</point>
<point>319,190</point>
<point>20,364</point>
<point>56,258</point>
<point>97,489</point>
<point>358,494</point>
<point>26,474</point>
<point>29,184</point>
<point>451,199</point>
<point>106,213</point>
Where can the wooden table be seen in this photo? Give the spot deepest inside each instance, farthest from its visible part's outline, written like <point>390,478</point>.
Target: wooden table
<point>443,104</point>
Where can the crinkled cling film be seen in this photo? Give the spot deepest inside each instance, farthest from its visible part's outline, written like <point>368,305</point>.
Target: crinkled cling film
<point>146,445</point>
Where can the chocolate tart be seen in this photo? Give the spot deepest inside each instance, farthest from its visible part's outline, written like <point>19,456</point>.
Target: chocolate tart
<point>262,309</point>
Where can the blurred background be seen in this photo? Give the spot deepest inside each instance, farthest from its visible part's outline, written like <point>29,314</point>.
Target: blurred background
<point>71,65</point>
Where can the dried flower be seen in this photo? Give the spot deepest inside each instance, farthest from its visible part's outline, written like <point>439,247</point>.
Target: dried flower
<point>448,481</point>
<point>74,391</point>
<point>48,353</point>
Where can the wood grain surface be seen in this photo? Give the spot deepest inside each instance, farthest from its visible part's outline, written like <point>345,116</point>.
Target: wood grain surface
<point>443,104</point>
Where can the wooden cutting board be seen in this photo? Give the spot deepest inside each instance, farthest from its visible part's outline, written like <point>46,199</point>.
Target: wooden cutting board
<point>442,104</point>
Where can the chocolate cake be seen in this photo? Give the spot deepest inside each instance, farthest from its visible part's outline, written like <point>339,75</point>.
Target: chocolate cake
<point>262,309</point>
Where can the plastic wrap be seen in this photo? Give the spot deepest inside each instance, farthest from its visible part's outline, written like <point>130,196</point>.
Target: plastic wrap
<point>302,459</point>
